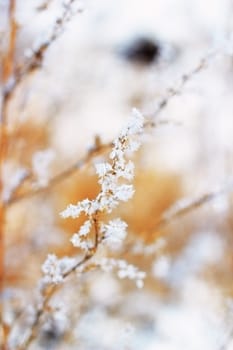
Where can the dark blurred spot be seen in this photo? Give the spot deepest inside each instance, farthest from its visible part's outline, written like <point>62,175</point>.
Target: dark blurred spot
<point>141,50</point>
<point>50,338</point>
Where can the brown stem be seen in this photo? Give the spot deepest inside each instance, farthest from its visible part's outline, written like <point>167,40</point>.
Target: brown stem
<point>8,62</point>
<point>9,58</point>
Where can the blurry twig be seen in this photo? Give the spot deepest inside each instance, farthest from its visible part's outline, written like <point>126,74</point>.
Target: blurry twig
<point>149,123</point>
<point>44,5</point>
<point>8,59</point>
<point>62,176</point>
<point>186,206</point>
<point>97,149</point>
<point>36,56</point>
<point>179,209</point>
<point>184,79</point>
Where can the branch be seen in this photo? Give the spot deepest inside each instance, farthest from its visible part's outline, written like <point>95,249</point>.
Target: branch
<point>171,92</point>
<point>62,176</point>
<point>112,192</point>
<point>184,79</point>
<point>36,56</point>
<point>184,207</point>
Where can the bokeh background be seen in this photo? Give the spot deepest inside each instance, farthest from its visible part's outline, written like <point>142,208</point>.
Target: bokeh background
<point>112,56</point>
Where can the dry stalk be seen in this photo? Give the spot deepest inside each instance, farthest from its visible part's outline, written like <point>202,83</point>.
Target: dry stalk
<point>8,61</point>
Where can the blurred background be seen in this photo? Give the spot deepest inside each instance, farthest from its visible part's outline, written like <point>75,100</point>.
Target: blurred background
<point>112,56</point>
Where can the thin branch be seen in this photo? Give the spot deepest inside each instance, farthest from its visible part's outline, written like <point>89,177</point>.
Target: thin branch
<point>36,57</point>
<point>184,79</point>
<point>184,207</point>
<point>149,123</point>
<point>61,176</point>
<point>92,251</point>
<point>44,5</point>
<point>178,210</point>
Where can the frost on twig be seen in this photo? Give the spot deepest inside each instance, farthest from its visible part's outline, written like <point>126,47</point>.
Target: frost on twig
<point>54,269</point>
<point>151,122</point>
<point>111,173</point>
<point>113,190</point>
<point>112,176</point>
<point>123,270</point>
<point>114,233</point>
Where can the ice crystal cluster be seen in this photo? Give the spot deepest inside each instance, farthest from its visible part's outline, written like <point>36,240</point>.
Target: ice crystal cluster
<point>54,268</point>
<point>114,176</point>
<point>124,270</point>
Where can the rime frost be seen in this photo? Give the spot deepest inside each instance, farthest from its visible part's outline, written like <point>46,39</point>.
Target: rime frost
<point>109,173</point>
<point>111,176</point>
<point>124,192</point>
<point>124,270</point>
<point>54,269</point>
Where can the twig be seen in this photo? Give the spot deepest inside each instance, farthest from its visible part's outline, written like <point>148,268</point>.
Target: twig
<point>185,78</point>
<point>36,56</point>
<point>185,207</point>
<point>178,210</point>
<point>62,176</point>
<point>44,5</point>
<point>149,123</point>
<point>111,193</point>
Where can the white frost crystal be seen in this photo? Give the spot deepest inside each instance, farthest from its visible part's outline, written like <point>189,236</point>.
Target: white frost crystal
<point>124,270</point>
<point>124,192</point>
<point>54,268</point>
<point>113,191</point>
<point>102,169</point>
<point>135,124</point>
<point>85,228</point>
<point>114,232</point>
<point>109,173</point>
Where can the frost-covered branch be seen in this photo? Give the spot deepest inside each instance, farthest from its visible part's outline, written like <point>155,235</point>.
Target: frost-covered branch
<point>152,122</point>
<point>113,190</point>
